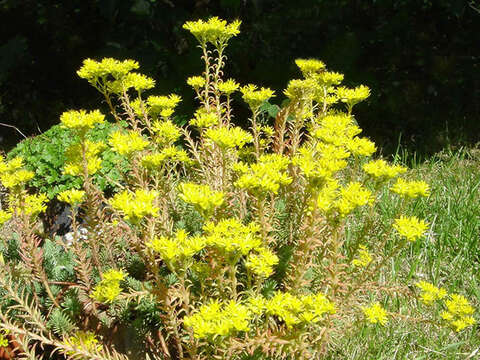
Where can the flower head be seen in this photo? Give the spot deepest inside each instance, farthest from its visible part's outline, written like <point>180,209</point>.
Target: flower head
<point>375,313</point>
<point>410,227</point>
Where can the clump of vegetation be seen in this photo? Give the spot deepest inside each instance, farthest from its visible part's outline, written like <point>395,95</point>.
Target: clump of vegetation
<point>244,244</point>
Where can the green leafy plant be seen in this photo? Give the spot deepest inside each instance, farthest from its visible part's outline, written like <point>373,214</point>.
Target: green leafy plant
<point>45,155</point>
<point>259,243</point>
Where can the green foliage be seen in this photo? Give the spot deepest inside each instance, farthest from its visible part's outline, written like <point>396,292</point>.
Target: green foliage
<point>45,155</point>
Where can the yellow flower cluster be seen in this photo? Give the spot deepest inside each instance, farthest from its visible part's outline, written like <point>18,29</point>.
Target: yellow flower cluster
<point>321,164</point>
<point>169,154</point>
<point>202,197</point>
<point>231,236</point>
<point>329,78</point>
<point>364,258</point>
<point>3,339</point>
<point>72,197</point>
<point>163,105</point>
<point>108,289</point>
<point>228,87</point>
<point>81,120</point>
<point>267,175</point>
<point>308,67</point>
<point>375,313</point>
<point>11,173</point>
<point>229,137</point>
<point>139,82</point>
<point>301,90</point>
<point>127,143</point>
<point>196,82</point>
<point>219,319</point>
<point>352,196</point>
<point>204,119</point>
<point>214,31</point>
<point>83,340</point>
<point>361,146</point>
<point>4,216</point>
<point>74,164</point>
<point>92,70</point>
<point>262,263</point>
<point>135,206</point>
<point>255,97</point>
<point>177,248</point>
<point>381,169</point>
<point>353,96</point>
<point>296,310</point>
<point>459,312</point>
<point>336,129</point>
<point>430,292</point>
<point>16,178</point>
<point>166,132</point>
<point>410,227</point>
<point>32,204</point>
<point>411,189</point>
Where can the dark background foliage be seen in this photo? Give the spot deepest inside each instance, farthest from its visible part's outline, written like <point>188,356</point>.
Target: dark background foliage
<point>419,57</point>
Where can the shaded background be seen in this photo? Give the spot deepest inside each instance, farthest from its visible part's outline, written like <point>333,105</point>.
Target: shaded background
<point>419,57</point>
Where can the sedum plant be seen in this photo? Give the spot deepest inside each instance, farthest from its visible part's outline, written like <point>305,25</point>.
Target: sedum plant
<point>239,244</point>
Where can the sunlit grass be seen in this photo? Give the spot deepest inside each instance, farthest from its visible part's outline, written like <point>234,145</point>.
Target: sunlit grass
<point>448,256</point>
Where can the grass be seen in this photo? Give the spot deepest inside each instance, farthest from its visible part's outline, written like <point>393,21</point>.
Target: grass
<point>449,256</point>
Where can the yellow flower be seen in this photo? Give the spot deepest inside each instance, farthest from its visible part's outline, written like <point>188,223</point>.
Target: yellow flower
<point>375,313</point>
<point>180,247</point>
<point>353,96</point>
<point>410,227</point>
<point>16,178</point>
<point>380,168</point>
<point>135,206</point>
<point>196,82</point>
<point>215,30</point>
<point>361,146</point>
<point>138,81</point>
<point>301,89</point>
<point>261,264</point>
<point>163,105</point>
<point>228,87</point>
<point>127,143</point>
<point>255,97</point>
<point>202,197</point>
<point>74,164</point>
<point>108,289</point>
<point>430,292</point>
<point>219,319</point>
<point>92,70</point>
<point>265,176</point>
<point>3,339</point>
<point>204,119</point>
<point>328,78</point>
<point>310,66</point>
<point>81,120</point>
<point>458,313</point>
<point>294,310</point>
<point>166,132</point>
<point>83,340</point>
<point>364,258</point>
<point>230,235</point>
<point>229,138</point>
<point>31,205</point>
<point>72,197</point>
<point>172,154</point>
<point>336,129</point>
<point>4,216</point>
<point>411,189</point>
<point>352,196</point>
